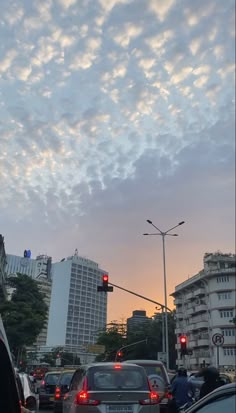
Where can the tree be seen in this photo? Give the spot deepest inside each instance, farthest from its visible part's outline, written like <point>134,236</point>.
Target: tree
<point>112,339</point>
<point>25,314</point>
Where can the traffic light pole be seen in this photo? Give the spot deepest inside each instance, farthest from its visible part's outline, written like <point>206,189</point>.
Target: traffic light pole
<point>130,345</point>
<point>143,297</point>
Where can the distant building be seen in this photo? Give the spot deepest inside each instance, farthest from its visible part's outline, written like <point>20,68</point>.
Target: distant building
<point>38,269</point>
<point>3,262</point>
<point>77,311</point>
<point>136,322</point>
<point>205,305</point>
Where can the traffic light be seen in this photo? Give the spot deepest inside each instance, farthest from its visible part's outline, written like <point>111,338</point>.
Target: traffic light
<point>105,287</point>
<point>119,355</point>
<point>183,345</point>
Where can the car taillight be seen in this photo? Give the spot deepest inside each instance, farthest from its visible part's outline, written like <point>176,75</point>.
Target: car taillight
<point>168,395</point>
<point>42,383</point>
<point>153,399</point>
<point>57,393</point>
<point>82,398</point>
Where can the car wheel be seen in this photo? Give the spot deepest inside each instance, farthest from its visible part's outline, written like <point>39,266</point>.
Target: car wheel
<point>31,404</point>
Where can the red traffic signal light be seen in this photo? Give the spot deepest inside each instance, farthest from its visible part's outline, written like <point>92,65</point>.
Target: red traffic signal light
<point>105,287</point>
<point>183,344</point>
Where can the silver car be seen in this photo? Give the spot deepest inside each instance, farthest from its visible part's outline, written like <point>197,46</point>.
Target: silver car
<point>31,398</point>
<point>110,388</point>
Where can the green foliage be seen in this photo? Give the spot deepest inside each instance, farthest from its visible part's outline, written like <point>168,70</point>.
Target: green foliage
<point>25,314</point>
<point>152,331</point>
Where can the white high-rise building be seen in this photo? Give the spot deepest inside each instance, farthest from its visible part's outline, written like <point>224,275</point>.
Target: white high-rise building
<point>77,311</point>
<point>205,306</point>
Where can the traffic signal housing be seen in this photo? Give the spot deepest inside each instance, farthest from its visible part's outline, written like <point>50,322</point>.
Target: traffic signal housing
<point>183,345</point>
<point>105,287</point>
<point>119,355</point>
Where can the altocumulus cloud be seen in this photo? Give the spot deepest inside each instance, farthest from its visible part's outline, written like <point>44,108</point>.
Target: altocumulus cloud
<point>89,87</point>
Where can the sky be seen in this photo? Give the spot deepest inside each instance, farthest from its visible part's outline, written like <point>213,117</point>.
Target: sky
<point>112,113</point>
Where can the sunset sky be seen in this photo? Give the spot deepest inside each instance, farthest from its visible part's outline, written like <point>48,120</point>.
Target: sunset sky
<point>113,112</point>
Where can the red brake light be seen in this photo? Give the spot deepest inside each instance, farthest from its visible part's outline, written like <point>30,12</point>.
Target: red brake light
<point>117,366</point>
<point>153,399</point>
<point>82,398</point>
<point>168,395</point>
<point>43,383</point>
<point>57,393</point>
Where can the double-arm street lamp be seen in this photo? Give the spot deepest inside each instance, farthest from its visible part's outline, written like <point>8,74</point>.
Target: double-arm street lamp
<point>163,234</point>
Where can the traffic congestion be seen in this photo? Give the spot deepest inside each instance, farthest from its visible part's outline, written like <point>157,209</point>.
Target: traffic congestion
<point>130,386</point>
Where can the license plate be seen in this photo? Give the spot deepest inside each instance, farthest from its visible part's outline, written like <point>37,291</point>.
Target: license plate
<point>51,399</point>
<point>119,409</point>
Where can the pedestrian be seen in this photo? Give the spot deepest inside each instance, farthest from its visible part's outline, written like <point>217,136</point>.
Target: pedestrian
<point>211,380</point>
<point>182,389</point>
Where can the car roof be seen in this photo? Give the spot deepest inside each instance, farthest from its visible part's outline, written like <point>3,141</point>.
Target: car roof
<point>108,364</point>
<point>227,389</point>
<point>145,362</point>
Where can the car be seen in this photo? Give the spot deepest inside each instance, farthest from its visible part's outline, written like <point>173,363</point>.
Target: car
<point>31,398</point>
<point>9,395</point>
<point>108,387</point>
<point>39,372</point>
<point>159,379</point>
<point>223,399</point>
<point>198,380</point>
<point>62,388</point>
<point>47,388</point>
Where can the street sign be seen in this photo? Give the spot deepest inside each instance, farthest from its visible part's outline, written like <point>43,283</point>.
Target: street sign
<point>58,361</point>
<point>161,356</point>
<point>218,339</point>
<point>96,348</point>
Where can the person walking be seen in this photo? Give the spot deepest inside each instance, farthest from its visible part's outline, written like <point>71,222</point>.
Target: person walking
<point>182,389</point>
<point>211,380</point>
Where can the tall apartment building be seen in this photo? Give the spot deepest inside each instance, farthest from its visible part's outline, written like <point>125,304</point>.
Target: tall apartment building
<point>136,322</point>
<point>205,305</point>
<point>77,311</point>
<point>3,262</point>
<point>40,270</point>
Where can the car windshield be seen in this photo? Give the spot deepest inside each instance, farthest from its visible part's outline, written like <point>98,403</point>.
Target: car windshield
<point>66,379</point>
<point>51,379</point>
<point>117,379</point>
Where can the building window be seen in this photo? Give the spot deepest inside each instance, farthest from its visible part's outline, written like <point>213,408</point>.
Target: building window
<point>226,313</point>
<point>229,351</point>
<point>225,295</point>
<point>228,332</point>
<point>223,279</point>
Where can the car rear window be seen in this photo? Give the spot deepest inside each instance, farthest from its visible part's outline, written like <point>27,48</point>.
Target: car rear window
<point>51,379</point>
<point>117,379</point>
<point>66,378</point>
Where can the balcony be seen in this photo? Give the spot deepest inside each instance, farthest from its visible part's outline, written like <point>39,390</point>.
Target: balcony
<point>178,301</point>
<point>200,308</point>
<point>199,291</point>
<point>178,330</point>
<point>203,342</point>
<point>190,311</point>
<point>179,315</point>
<point>193,343</point>
<point>204,360</point>
<point>193,360</point>
<point>200,324</point>
<point>189,296</point>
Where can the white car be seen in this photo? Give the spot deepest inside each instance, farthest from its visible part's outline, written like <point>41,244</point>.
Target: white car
<point>31,398</point>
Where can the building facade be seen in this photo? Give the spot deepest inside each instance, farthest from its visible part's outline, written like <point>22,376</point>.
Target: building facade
<point>77,311</point>
<point>136,322</point>
<point>3,262</point>
<point>205,306</point>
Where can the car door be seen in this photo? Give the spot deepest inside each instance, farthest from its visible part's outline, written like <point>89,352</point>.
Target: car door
<point>76,383</point>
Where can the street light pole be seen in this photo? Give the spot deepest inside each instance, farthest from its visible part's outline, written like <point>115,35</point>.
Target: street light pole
<point>163,234</point>
<point>165,302</point>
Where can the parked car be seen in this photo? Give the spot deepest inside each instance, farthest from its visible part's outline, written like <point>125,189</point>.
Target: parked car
<point>220,400</point>
<point>197,382</point>
<point>110,388</point>
<point>9,395</point>
<point>158,378</point>
<point>31,398</point>
<point>47,388</point>
<point>62,388</point>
